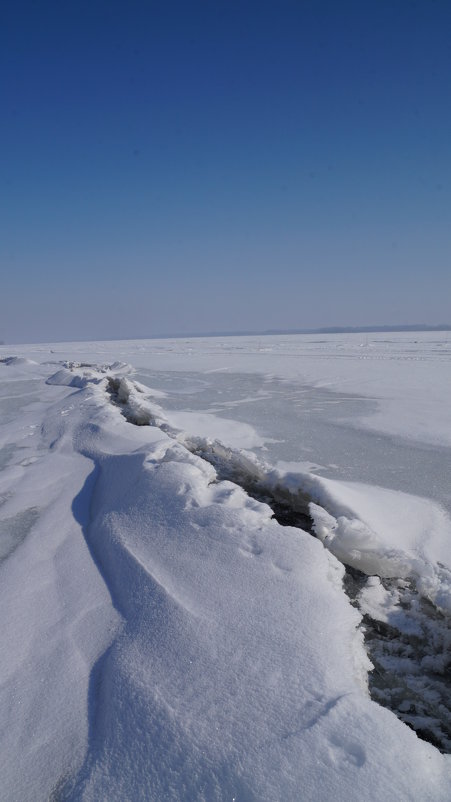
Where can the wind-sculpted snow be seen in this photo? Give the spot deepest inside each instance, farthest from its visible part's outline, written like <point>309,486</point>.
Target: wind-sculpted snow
<point>168,639</point>
<point>14,530</point>
<point>56,614</point>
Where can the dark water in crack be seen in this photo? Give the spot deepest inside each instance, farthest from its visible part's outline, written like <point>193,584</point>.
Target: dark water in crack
<point>408,640</point>
<point>411,655</point>
<point>410,652</point>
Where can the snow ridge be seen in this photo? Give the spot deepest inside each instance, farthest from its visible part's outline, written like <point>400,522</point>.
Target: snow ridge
<point>409,670</point>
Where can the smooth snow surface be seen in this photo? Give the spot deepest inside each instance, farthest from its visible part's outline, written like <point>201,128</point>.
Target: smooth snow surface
<point>164,638</point>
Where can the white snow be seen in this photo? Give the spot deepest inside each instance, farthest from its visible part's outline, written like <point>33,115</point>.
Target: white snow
<point>163,637</point>
<point>388,533</point>
<point>406,373</point>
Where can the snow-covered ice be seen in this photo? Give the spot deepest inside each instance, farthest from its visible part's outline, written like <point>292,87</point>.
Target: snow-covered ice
<point>163,636</point>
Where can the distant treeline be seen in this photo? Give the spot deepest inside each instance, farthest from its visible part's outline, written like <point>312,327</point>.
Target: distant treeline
<point>361,329</point>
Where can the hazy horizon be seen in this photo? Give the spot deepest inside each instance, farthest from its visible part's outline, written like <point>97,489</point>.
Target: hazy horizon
<point>375,329</point>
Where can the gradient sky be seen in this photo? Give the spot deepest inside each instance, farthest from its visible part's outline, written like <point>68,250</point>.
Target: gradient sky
<point>204,166</point>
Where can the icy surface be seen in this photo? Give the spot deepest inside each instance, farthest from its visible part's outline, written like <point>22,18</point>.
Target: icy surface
<point>163,636</point>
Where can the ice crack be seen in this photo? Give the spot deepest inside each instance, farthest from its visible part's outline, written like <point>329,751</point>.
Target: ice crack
<point>408,638</point>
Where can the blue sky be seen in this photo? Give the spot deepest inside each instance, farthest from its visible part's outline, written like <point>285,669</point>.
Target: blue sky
<point>204,166</point>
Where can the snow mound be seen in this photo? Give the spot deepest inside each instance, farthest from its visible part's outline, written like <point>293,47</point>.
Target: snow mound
<point>67,378</point>
<point>17,360</point>
<point>79,374</point>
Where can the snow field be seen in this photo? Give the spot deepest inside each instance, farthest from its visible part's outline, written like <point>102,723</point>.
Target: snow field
<point>165,637</point>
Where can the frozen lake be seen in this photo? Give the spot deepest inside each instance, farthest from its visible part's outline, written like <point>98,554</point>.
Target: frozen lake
<point>313,426</point>
<point>165,634</point>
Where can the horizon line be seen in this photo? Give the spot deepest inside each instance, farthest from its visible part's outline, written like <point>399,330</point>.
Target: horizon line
<point>412,327</point>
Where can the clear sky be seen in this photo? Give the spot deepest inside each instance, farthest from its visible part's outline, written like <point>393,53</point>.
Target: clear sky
<point>204,166</point>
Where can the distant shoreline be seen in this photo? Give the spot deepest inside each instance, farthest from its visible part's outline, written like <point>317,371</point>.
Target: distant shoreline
<point>322,330</point>
<point>414,327</point>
